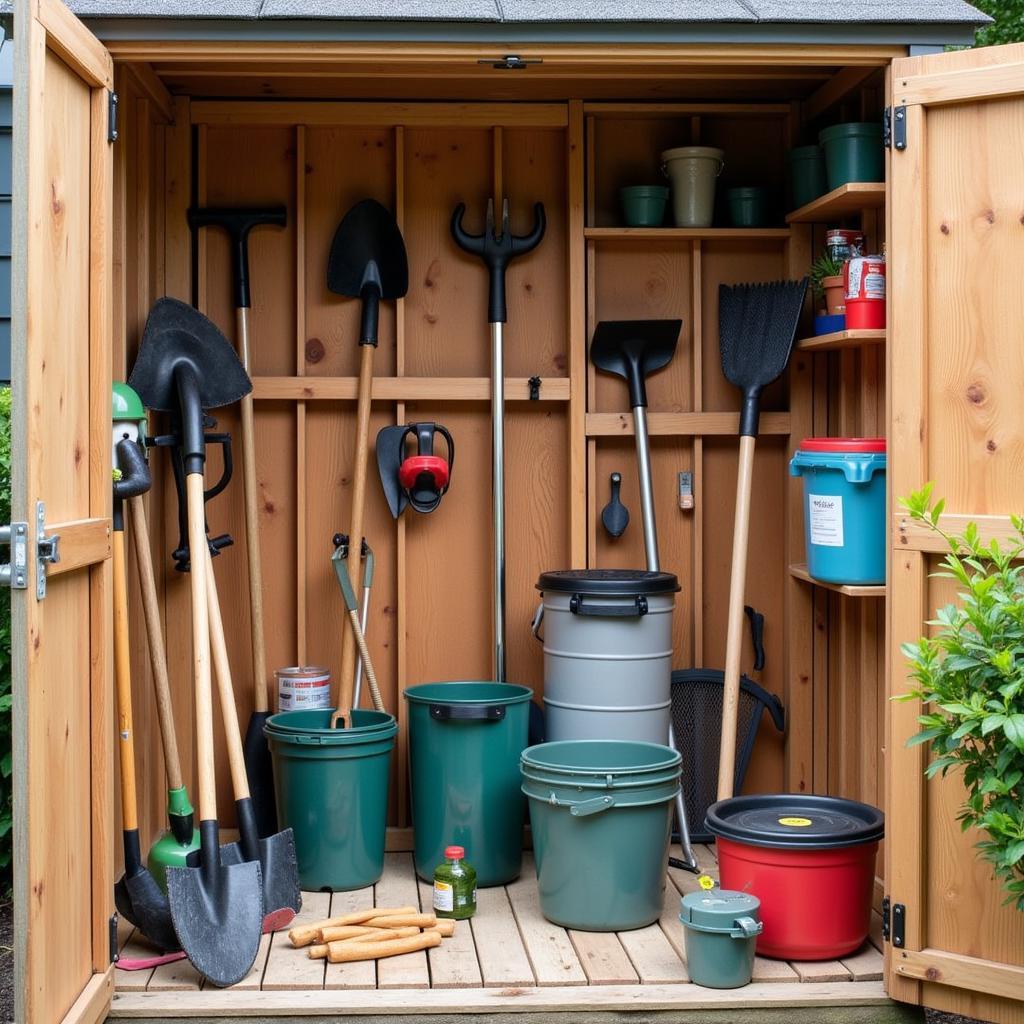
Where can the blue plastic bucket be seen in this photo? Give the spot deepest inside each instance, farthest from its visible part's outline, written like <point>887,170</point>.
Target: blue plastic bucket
<point>844,507</point>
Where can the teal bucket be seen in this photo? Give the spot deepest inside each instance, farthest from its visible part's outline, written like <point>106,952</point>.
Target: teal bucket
<point>807,176</point>
<point>720,930</point>
<point>332,791</point>
<point>643,206</point>
<point>844,508</point>
<point>464,745</point>
<point>853,152</point>
<point>601,815</point>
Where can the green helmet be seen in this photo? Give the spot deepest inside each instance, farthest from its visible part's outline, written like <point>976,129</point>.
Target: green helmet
<point>129,417</point>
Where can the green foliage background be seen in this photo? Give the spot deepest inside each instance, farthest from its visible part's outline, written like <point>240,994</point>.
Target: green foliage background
<point>1009,22</point>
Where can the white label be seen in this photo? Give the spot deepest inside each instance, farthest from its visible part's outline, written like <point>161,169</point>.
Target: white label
<point>298,693</point>
<point>444,896</point>
<point>874,286</point>
<point>825,516</point>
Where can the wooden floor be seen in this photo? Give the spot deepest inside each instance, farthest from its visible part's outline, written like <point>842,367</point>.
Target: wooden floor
<point>508,957</point>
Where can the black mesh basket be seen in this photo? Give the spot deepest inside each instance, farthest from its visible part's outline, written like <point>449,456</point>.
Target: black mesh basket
<point>697,728</point>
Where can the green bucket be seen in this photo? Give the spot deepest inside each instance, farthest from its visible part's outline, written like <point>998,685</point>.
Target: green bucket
<point>464,745</point>
<point>643,206</point>
<point>720,930</point>
<point>332,791</point>
<point>601,814</point>
<point>853,152</point>
<point>808,179</point>
<point>748,206</point>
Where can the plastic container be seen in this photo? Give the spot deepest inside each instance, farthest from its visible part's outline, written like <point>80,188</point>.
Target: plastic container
<point>303,688</point>
<point>601,627</point>
<point>601,814</point>
<point>844,507</point>
<point>864,287</point>
<point>829,324</point>
<point>843,244</point>
<point>748,206</point>
<point>720,930</point>
<point>332,791</point>
<point>643,206</point>
<point>464,744</point>
<point>811,862</point>
<point>454,886</point>
<point>693,171</point>
<point>807,177</point>
<point>853,152</point>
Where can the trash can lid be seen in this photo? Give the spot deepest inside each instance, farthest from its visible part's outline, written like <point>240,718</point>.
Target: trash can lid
<point>608,582</point>
<point>844,445</point>
<point>717,908</point>
<point>793,821</point>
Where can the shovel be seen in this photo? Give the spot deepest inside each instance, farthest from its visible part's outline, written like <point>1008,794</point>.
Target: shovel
<point>367,262</point>
<point>186,364</point>
<point>136,895</point>
<point>756,329</point>
<point>239,223</point>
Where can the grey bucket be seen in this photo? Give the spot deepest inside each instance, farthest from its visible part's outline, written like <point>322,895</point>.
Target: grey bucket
<point>607,653</point>
<point>693,171</point>
<point>600,813</point>
<point>720,930</point>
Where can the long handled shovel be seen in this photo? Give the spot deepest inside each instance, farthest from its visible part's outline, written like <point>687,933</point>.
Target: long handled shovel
<point>136,895</point>
<point>239,223</point>
<point>756,327</point>
<point>497,248</point>
<point>367,262</point>
<point>186,364</point>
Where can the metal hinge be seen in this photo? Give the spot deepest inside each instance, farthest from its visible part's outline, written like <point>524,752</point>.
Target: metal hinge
<point>894,923</point>
<point>894,128</point>
<point>510,62</point>
<point>111,116</point>
<point>114,955</point>
<point>15,573</point>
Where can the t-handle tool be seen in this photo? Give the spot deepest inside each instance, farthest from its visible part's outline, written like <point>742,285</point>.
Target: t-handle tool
<point>497,249</point>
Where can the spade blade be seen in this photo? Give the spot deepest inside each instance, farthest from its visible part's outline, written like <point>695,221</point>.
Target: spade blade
<point>142,902</point>
<point>279,872</point>
<point>634,349</point>
<point>368,248</point>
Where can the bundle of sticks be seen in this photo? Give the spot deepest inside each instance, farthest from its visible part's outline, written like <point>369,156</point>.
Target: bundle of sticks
<point>371,934</point>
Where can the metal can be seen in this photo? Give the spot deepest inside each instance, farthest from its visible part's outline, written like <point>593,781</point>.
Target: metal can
<point>303,687</point>
<point>842,244</point>
<point>865,293</point>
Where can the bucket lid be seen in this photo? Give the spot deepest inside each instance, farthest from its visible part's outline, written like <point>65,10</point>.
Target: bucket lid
<point>608,582</point>
<point>717,908</point>
<point>313,726</point>
<point>701,152</point>
<point>790,820</point>
<point>844,445</point>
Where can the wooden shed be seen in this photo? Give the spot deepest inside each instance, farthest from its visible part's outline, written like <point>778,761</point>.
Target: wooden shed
<point>421,104</point>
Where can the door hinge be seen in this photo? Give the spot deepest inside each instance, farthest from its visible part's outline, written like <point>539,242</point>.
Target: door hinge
<point>894,923</point>
<point>111,116</point>
<point>15,573</point>
<point>894,128</point>
<point>114,955</point>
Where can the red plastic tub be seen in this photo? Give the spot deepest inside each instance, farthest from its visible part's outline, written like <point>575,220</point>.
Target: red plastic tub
<point>809,860</point>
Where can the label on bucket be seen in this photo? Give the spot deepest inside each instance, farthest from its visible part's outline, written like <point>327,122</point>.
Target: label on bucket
<point>444,896</point>
<point>825,517</point>
<point>796,822</point>
<point>302,689</point>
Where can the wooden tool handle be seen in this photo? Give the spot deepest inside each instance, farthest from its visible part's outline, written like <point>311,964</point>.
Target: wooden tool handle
<point>222,670</point>
<point>304,934</point>
<point>366,934</point>
<point>123,676</point>
<point>155,634</point>
<point>734,634</point>
<point>252,526</point>
<point>445,927</point>
<point>403,921</point>
<point>347,952</point>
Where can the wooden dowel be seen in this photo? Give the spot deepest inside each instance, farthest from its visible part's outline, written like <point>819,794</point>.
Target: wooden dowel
<point>348,952</point>
<point>445,927</point>
<point>403,921</point>
<point>303,935</point>
<point>370,935</point>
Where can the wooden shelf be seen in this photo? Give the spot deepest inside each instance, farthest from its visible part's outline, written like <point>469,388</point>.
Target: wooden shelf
<point>841,339</point>
<point>849,589</point>
<point>685,234</point>
<point>405,389</point>
<point>682,424</point>
<point>841,202</point>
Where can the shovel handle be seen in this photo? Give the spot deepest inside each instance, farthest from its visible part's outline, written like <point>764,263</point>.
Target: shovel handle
<point>122,673</point>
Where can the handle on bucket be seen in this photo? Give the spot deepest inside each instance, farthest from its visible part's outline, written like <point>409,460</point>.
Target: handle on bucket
<point>467,712</point>
<point>587,807</point>
<point>629,610</point>
<point>538,618</point>
<point>746,928</point>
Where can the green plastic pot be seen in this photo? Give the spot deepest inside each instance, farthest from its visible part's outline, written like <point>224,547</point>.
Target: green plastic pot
<point>853,152</point>
<point>465,739</point>
<point>808,179</point>
<point>601,815</point>
<point>720,930</point>
<point>332,791</point>
<point>643,206</point>
<point>748,206</point>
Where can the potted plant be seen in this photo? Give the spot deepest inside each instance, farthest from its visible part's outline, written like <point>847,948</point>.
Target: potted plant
<point>969,675</point>
<point>827,284</point>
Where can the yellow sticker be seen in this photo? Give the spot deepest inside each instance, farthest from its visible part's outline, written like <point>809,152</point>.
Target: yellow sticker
<point>706,882</point>
<point>796,822</point>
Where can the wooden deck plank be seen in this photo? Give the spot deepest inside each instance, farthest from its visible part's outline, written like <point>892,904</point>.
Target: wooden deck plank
<point>453,964</point>
<point>132,946</point>
<point>363,973</point>
<point>398,888</point>
<point>820,971</point>
<point>772,970</point>
<point>653,957</point>
<point>670,924</point>
<point>864,965</point>
<point>179,976</point>
<point>289,968</point>
<point>604,960</point>
<point>551,953</point>
<point>254,979</point>
<point>499,946</point>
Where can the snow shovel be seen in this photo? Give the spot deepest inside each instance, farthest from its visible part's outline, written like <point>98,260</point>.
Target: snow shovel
<point>497,249</point>
<point>186,364</point>
<point>756,329</point>
<point>136,895</point>
<point>239,223</point>
<point>367,262</point>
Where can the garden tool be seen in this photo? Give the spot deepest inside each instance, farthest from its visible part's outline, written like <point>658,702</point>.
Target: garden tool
<point>497,249</point>
<point>186,364</point>
<point>239,223</point>
<point>275,854</point>
<point>420,480</point>
<point>340,560</point>
<point>367,262</point>
<point>136,895</point>
<point>615,515</point>
<point>364,614</point>
<point>634,349</point>
<point>757,326</point>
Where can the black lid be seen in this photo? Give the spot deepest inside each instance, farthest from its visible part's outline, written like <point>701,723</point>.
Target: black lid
<point>793,821</point>
<point>608,582</point>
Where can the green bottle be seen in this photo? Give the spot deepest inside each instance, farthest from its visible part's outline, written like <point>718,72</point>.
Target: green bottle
<point>454,886</point>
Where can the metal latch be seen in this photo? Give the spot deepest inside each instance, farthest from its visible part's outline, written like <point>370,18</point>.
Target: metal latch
<point>511,62</point>
<point>534,383</point>
<point>111,116</point>
<point>47,550</point>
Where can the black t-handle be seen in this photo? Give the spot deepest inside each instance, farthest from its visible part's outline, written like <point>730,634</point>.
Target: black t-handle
<point>497,249</point>
<point>238,222</point>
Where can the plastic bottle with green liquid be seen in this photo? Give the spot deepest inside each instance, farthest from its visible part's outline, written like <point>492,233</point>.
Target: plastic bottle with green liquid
<point>454,886</point>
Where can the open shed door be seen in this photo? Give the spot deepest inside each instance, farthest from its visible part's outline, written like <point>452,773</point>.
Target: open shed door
<point>956,386</point>
<point>61,480</point>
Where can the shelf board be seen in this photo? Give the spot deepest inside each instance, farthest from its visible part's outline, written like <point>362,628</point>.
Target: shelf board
<point>841,339</point>
<point>841,202</point>
<point>682,424</point>
<point>405,389</point>
<point>849,589</point>
<point>684,234</point>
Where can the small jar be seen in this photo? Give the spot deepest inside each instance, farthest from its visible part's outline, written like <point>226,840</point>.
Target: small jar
<point>454,886</point>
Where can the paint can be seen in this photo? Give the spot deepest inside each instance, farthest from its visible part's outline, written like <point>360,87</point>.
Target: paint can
<point>865,293</point>
<point>303,688</point>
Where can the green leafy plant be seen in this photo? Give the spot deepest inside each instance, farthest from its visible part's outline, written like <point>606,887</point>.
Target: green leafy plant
<point>824,266</point>
<point>969,674</point>
<point>6,796</point>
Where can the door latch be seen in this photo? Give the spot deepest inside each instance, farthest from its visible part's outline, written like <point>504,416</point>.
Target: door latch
<point>15,573</point>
